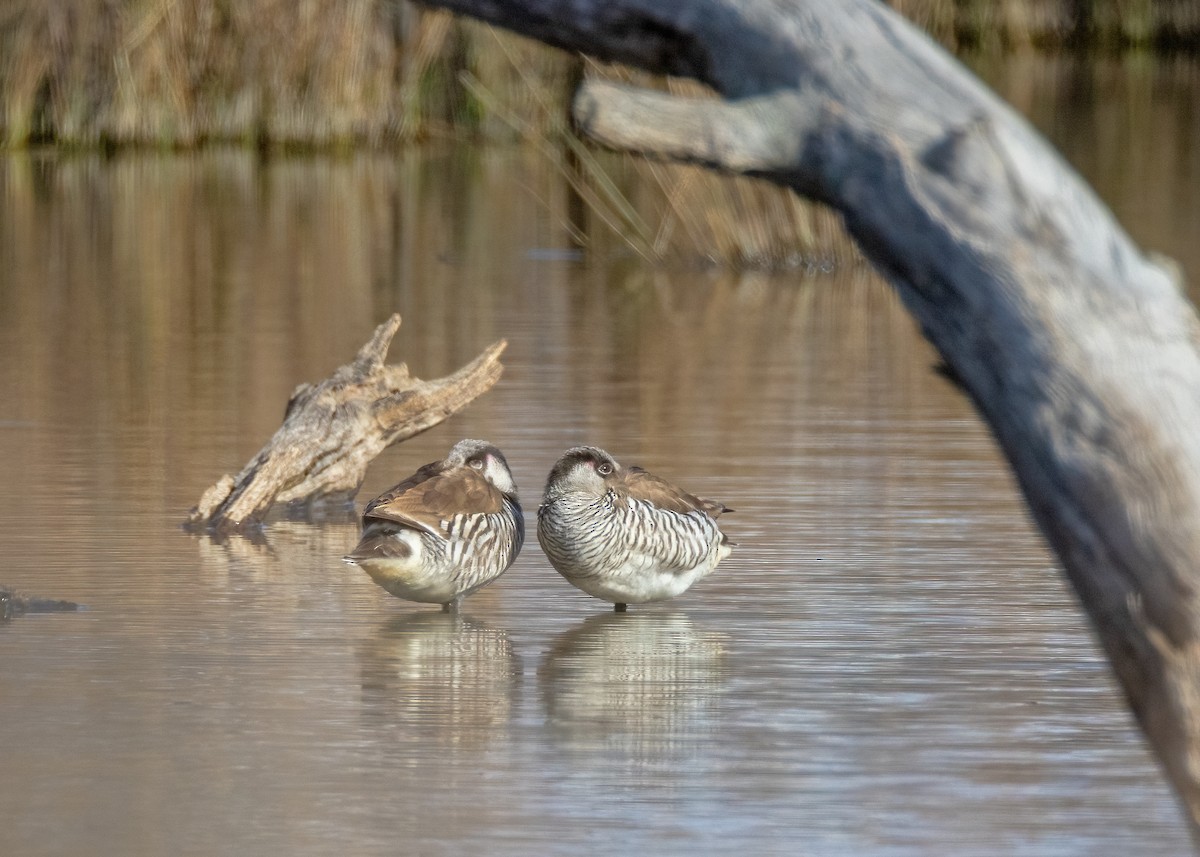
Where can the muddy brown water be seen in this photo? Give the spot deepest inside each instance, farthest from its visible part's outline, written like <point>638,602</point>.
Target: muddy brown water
<point>889,664</point>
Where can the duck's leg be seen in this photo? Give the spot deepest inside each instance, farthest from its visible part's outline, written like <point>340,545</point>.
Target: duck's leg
<point>452,605</point>
<point>620,608</point>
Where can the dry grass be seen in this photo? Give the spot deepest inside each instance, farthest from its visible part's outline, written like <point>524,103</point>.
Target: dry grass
<point>338,72</point>
<point>687,215</point>
<point>181,73</point>
<point>676,213</point>
<point>1051,24</point>
<point>320,74</point>
<point>694,215</point>
<point>346,73</point>
<point>185,72</point>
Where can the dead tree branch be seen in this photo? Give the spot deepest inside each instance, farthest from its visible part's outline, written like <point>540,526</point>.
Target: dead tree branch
<point>333,430</point>
<point>1078,349</point>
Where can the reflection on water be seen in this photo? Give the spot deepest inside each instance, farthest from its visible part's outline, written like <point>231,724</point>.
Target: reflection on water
<point>644,683</point>
<point>888,664</point>
<point>273,552</point>
<point>441,679</point>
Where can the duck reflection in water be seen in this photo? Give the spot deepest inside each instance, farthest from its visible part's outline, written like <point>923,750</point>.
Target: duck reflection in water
<point>649,683</point>
<point>440,679</point>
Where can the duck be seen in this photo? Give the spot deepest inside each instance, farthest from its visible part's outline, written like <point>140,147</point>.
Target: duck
<point>446,531</point>
<point>624,535</point>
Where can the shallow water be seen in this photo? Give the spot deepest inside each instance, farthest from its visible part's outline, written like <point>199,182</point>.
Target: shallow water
<point>889,663</point>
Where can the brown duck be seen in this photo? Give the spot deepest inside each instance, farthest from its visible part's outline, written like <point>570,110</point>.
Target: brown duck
<point>451,528</point>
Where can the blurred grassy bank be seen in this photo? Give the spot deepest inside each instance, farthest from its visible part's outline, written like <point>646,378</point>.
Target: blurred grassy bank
<point>178,73</point>
<point>346,74</point>
<point>1104,25</point>
<point>336,75</point>
<point>351,72</point>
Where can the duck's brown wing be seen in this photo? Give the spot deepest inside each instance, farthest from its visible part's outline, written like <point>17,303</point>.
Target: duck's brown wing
<point>430,498</point>
<point>641,485</point>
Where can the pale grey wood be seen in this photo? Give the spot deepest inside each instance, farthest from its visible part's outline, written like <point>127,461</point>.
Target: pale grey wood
<point>1079,350</point>
<point>333,430</point>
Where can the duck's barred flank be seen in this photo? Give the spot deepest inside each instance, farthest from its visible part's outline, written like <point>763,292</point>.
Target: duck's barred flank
<point>624,535</point>
<point>597,538</point>
<point>477,549</point>
<point>476,545</point>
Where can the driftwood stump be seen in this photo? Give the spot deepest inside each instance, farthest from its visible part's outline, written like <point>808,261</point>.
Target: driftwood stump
<point>1078,349</point>
<point>14,603</point>
<point>333,430</point>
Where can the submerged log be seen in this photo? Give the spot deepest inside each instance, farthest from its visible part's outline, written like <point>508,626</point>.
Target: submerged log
<point>14,603</point>
<point>1079,351</point>
<point>333,430</point>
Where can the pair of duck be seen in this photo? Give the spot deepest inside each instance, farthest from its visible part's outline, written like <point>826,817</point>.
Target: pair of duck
<point>618,533</point>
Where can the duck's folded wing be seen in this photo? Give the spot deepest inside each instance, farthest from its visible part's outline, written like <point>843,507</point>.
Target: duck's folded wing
<point>431,498</point>
<point>649,488</point>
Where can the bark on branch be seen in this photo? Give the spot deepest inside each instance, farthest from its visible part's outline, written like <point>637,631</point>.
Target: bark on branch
<point>333,430</point>
<point>1079,350</point>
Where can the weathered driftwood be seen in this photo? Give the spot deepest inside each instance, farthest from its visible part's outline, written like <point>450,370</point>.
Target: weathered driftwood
<point>332,430</point>
<point>14,603</point>
<point>1079,351</point>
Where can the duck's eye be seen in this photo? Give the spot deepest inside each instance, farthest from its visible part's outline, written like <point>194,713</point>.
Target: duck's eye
<point>604,469</point>
<point>477,463</point>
